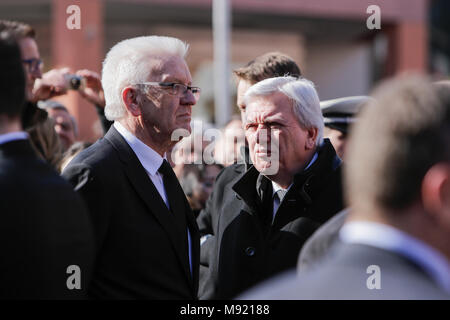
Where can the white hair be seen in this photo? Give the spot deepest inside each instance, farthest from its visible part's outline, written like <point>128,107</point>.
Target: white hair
<point>301,91</point>
<point>128,63</point>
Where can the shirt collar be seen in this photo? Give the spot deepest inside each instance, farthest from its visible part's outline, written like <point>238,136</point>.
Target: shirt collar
<point>276,187</point>
<point>12,136</point>
<point>149,158</point>
<point>391,239</point>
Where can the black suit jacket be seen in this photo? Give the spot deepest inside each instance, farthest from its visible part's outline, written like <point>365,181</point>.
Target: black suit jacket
<point>343,274</point>
<point>44,229</point>
<point>243,248</point>
<point>141,253</point>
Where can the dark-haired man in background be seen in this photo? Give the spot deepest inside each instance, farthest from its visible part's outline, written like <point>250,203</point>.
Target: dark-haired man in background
<point>45,233</point>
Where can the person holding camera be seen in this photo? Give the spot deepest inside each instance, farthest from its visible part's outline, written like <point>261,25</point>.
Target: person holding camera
<point>35,121</point>
<point>42,87</point>
<point>86,82</point>
<point>45,230</point>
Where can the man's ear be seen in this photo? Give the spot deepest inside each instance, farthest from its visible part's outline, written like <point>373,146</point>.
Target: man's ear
<point>436,193</point>
<point>130,100</point>
<point>311,138</point>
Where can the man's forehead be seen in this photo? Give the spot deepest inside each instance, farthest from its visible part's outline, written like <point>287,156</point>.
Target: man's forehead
<point>166,67</point>
<point>57,112</point>
<point>28,48</point>
<point>263,115</point>
<point>267,103</point>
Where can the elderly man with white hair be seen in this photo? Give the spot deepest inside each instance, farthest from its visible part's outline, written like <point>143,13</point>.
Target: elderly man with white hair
<point>292,188</point>
<point>147,239</point>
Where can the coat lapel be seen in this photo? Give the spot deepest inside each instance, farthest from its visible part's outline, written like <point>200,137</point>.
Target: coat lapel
<point>144,187</point>
<point>245,189</point>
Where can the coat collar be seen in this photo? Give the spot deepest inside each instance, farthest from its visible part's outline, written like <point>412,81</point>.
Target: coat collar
<point>20,147</point>
<point>13,136</point>
<point>247,187</point>
<point>309,181</point>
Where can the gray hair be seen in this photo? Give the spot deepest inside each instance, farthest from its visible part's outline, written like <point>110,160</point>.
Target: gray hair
<point>128,63</point>
<point>301,92</point>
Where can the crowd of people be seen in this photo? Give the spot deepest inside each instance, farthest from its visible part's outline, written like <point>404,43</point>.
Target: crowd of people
<point>302,197</point>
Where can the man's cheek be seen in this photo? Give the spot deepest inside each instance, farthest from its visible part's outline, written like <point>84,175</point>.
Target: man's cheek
<point>275,141</point>
<point>251,145</point>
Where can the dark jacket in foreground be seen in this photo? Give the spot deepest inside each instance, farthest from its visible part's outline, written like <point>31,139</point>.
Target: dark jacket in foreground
<point>44,229</point>
<point>141,250</point>
<point>343,275</point>
<point>245,247</point>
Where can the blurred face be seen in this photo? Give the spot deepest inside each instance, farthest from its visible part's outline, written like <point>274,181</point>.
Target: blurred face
<point>209,176</point>
<point>163,112</point>
<point>63,126</point>
<point>227,149</point>
<point>33,71</point>
<point>278,144</point>
<point>338,139</point>
<point>242,88</point>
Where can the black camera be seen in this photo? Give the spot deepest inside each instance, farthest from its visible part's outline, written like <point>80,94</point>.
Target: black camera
<point>74,82</point>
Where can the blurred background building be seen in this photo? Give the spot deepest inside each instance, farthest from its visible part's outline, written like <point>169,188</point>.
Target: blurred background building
<point>328,38</point>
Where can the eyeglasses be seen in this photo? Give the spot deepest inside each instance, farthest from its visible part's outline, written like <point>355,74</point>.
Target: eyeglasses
<point>176,89</point>
<point>33,64</point>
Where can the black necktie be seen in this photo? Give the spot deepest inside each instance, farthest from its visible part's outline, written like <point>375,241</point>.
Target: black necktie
<point>175,195</point>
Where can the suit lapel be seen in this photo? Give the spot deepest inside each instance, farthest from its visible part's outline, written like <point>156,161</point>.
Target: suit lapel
<point>145,188</point>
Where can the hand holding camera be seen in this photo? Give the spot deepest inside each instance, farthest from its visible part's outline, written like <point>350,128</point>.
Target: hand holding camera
<point>91,89</point>
<point>56,82</point>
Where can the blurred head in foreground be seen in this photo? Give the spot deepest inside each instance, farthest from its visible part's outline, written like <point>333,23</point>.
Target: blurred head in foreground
<point>398,161</point>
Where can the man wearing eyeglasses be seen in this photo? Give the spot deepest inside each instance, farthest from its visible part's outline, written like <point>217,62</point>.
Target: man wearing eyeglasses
<point>146,235</point>
<point>35,121</point>
<point>25,36</point>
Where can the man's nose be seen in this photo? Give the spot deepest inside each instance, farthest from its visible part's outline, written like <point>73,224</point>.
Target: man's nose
<point>37,73</point>
<point>262,134</point>
<point>188,98</point>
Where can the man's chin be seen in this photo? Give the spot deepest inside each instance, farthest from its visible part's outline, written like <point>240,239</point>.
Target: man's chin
<point>186,126</point>
<point>267,168</point>
<point>182,131</point>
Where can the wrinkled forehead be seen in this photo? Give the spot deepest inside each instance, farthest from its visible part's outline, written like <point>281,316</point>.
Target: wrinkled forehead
<point>168,69</point>
<point>267,106</point>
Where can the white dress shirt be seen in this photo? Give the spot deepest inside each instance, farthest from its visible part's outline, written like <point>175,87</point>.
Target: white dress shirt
<point>12,136</point>
<point>391,239</point>
<point>149,158</point>
<point>151,161</point>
